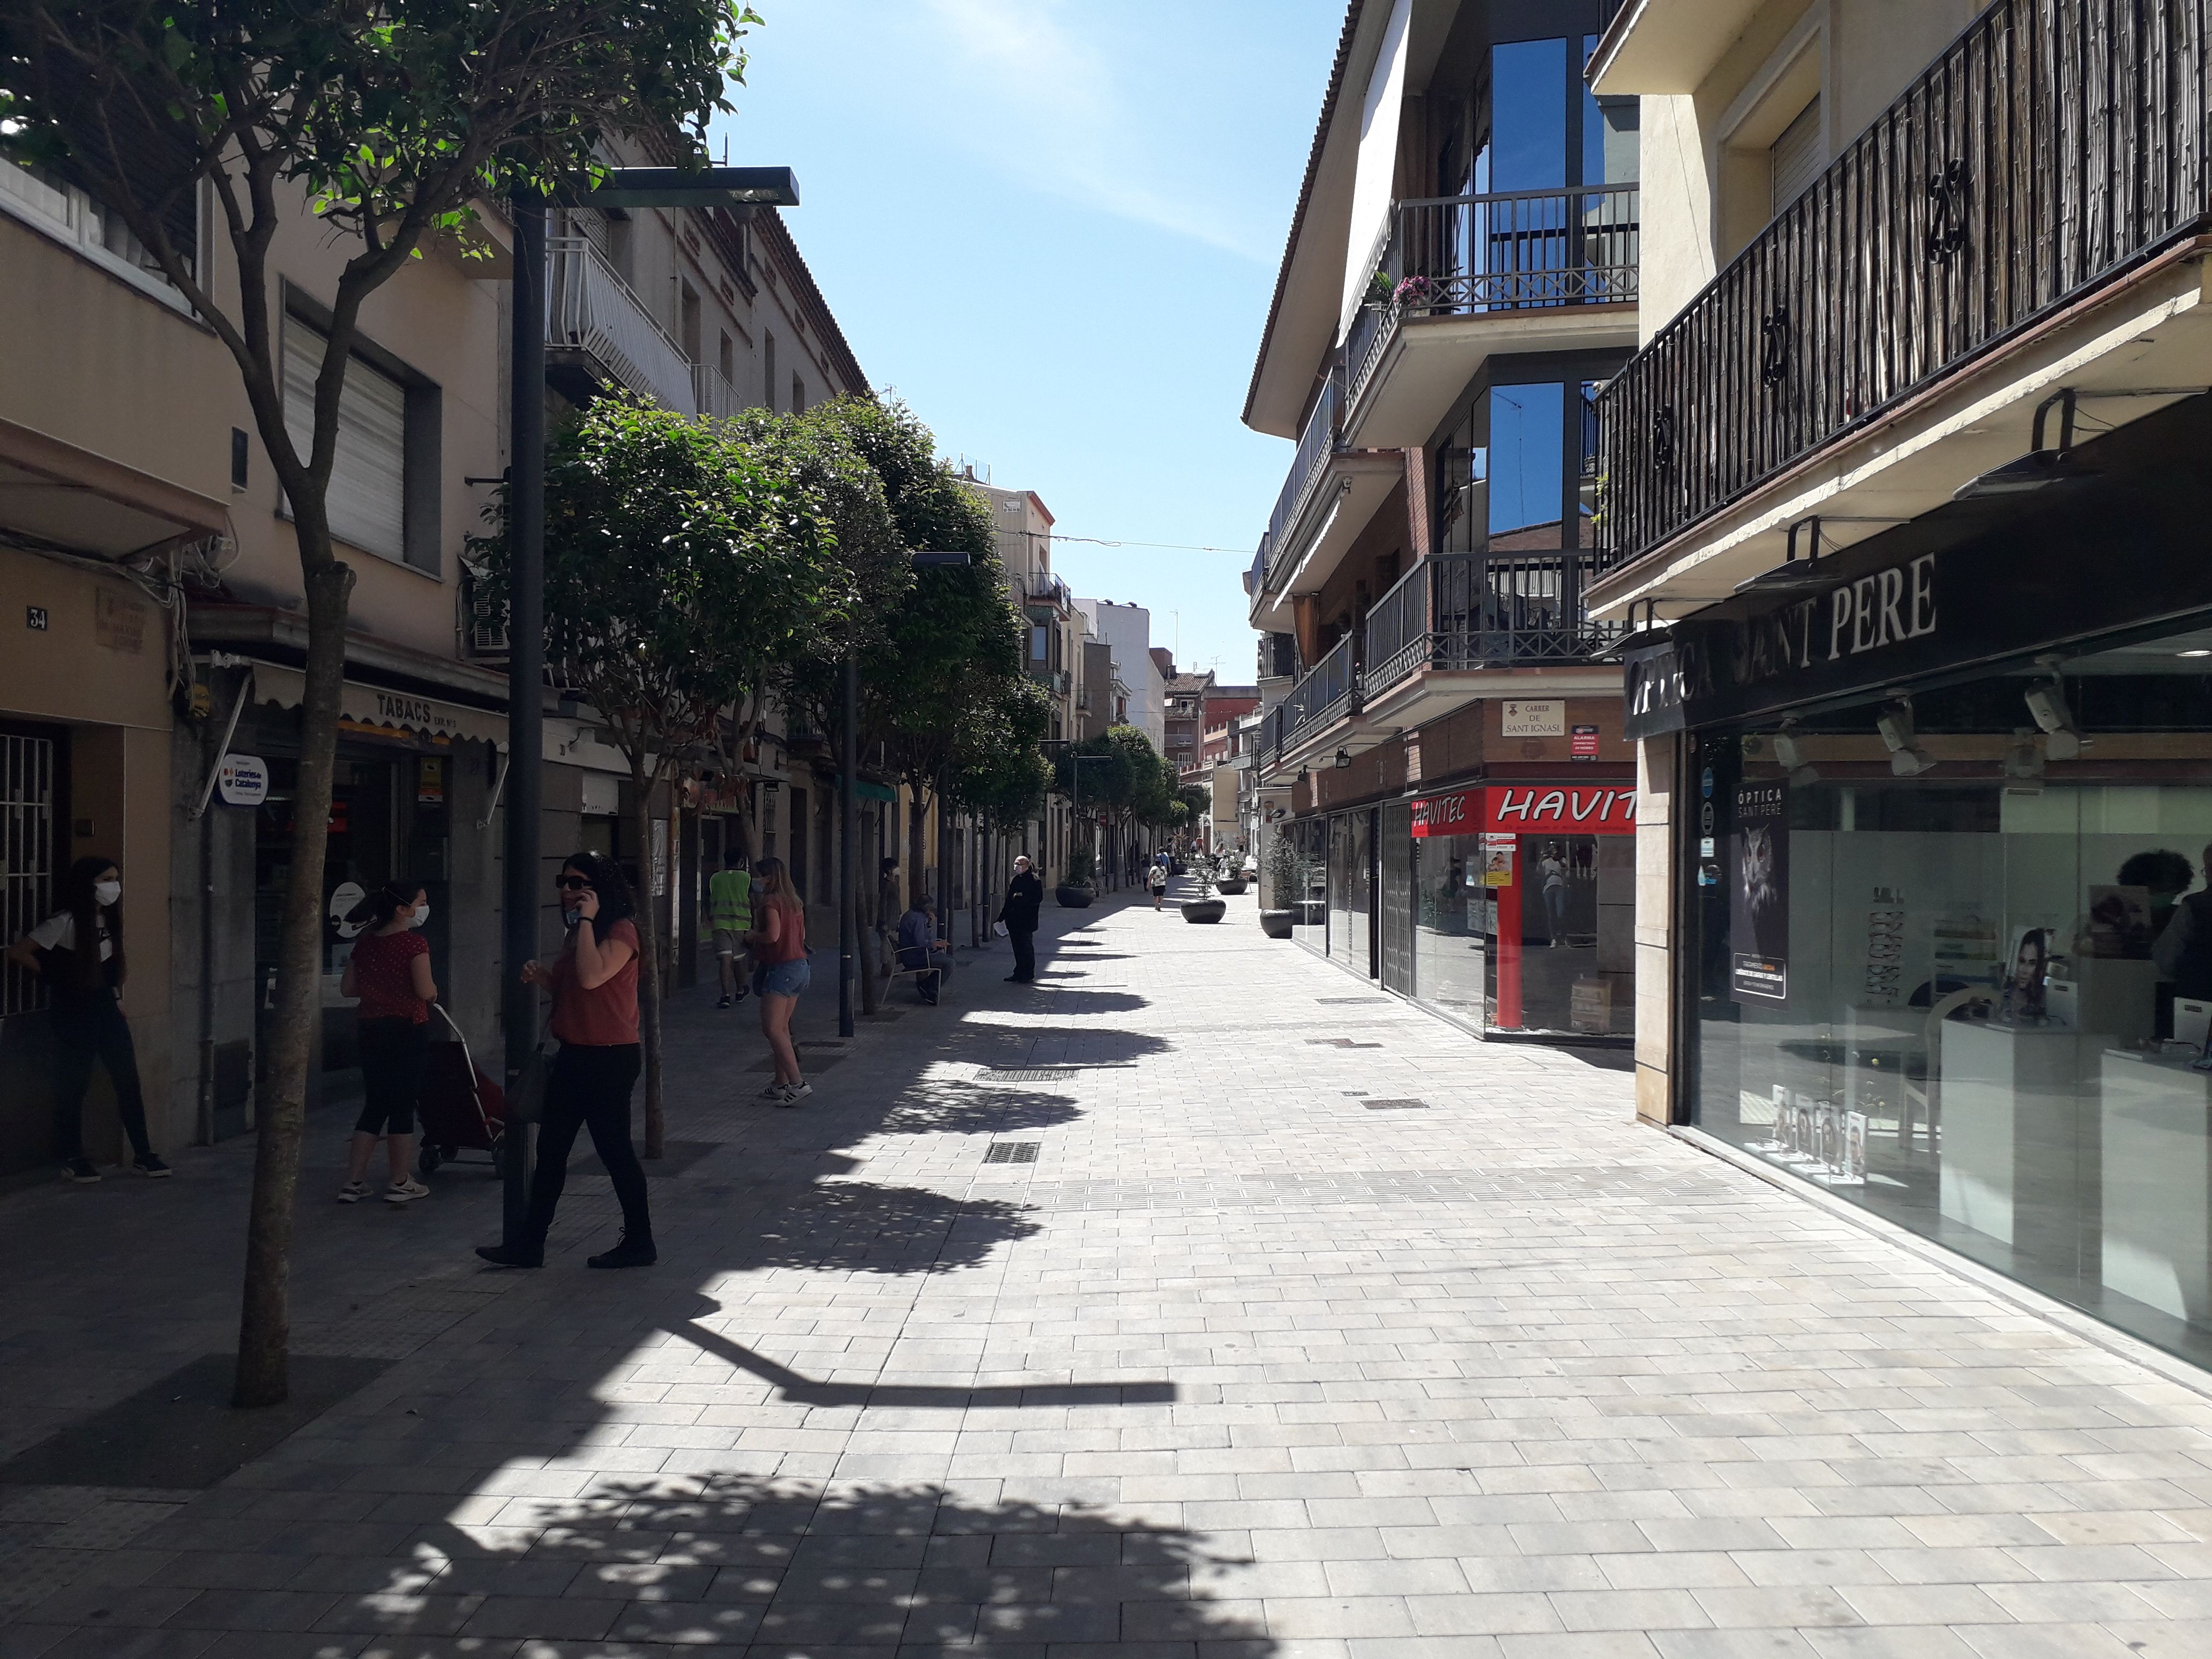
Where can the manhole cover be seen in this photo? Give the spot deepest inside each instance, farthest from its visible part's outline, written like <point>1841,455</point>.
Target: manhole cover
<point>1012,1151</point>
<point>1395,1105</point>
<point>1027,1074</point>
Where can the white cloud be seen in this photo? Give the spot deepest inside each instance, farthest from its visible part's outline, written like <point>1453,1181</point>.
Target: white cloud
<point>1039,99</point>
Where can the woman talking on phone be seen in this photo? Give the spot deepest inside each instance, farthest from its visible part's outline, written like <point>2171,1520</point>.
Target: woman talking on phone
<point>594,985</point>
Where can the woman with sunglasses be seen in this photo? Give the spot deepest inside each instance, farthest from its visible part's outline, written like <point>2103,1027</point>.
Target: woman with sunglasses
<point>594,985</point>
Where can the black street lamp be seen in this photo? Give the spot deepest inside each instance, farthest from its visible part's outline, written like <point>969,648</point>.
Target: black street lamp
<point>739,189</point>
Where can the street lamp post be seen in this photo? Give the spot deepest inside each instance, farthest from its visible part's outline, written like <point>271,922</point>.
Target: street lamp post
<point>736,188</point>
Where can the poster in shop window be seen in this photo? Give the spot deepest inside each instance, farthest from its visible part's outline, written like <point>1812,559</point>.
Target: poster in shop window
<point>1759,895</point>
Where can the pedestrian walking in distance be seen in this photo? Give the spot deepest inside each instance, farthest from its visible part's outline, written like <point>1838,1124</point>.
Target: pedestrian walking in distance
<point>390,972</point>
<point>594,985</point>
<point>779,947</point>
<point>1024,898</point>
<point>1156,879</point>
<point>78,951</point>
<point>921,952</point>
<point>730,912</point>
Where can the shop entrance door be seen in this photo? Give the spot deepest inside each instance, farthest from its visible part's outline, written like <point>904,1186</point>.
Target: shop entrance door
<point>1397,898</point>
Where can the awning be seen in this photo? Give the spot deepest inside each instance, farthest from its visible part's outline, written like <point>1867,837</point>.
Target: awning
<point>56,495</point>
<point>371,711</point>
<point>867,791</point>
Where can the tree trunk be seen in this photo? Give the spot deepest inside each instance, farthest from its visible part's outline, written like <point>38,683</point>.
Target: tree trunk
<point>915,866</point>
<point>263,1376</point>
<point>868,903</point>
<point>649,938</point>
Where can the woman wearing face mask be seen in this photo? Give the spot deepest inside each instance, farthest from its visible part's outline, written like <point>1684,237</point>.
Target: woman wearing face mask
<point>390,972</point>
<point>594,985</point>
<point>79,949</point>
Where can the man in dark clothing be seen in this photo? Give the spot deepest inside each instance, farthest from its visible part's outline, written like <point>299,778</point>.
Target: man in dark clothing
<point>2184,951</point>
<point>921,952</point>
<point>1024,898</point>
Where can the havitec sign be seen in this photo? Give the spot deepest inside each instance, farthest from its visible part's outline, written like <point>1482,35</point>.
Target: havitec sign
<point>1532,809</point>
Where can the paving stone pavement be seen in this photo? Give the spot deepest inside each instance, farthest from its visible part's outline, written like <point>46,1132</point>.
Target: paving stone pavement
<point>1235,1367</point>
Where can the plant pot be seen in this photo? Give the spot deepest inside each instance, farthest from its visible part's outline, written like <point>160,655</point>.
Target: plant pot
<point>1072,898</point>
<point>1230,884</point>
<point>1205,910</point>
<point>1276,924</point>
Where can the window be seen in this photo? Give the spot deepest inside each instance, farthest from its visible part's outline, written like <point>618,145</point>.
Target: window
<point>1794,161</point>
<point>384,482</point>
<point>1528,116</point>
<point>50,202</point>
<point>768,373</point>
<point>726,358</point>
<point>1038,646</point>
<point>798,396</point>
<point>687,306</point>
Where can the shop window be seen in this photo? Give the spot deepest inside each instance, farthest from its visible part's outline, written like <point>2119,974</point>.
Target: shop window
<point>1951,958</point>
<point>385,481</point>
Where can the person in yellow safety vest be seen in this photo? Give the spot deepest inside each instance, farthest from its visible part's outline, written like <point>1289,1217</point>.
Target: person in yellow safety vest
<point>730,913</point>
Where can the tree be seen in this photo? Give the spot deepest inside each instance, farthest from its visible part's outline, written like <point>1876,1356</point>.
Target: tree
<point>387,122</point>
<point>683,563</point>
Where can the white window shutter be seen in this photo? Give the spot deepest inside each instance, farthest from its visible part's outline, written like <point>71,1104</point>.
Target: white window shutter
<point>369,477</point>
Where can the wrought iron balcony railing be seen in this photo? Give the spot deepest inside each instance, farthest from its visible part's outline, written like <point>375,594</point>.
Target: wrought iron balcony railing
<point>1308,467</point>
<point>2054,145</point>
<point>1465,256</point>
<point>1484,610</point>
<point>713,393</point>
<point>592,311</point>
<point>1329,693</point>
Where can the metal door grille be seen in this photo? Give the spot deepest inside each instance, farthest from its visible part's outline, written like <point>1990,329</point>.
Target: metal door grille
<point>1397,904</point>
<point>26,857</point>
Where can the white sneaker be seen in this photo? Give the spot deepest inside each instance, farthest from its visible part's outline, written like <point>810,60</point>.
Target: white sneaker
<point>402,1192</point>
<point>791,1093</point>
<point>773,1094</point>
<point>353,1192</point>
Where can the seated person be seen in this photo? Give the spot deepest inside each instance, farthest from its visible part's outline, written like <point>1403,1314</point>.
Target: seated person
<point>921,952</point>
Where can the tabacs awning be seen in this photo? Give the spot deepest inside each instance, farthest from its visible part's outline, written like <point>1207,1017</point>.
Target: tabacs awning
<point>385,716</point>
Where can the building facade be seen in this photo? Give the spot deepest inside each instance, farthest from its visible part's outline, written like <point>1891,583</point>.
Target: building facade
<point>1446,758</point>
<point>1127,628</point>
<point>145,540</point>
<point>1904,500</point>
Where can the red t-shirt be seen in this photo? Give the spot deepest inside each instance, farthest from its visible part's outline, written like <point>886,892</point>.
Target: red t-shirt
<point>790,934</point>
<point>383,975</point>
<point>606,1016</point>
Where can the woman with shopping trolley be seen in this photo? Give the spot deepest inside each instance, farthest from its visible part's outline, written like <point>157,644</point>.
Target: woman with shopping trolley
<point>389,972</point>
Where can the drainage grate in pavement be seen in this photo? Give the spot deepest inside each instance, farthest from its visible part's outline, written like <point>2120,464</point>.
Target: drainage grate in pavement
<point>1028,1074</point>
<point>1338,1042</point>
<point>1362,1001</point>
<point>1395,1105</point>
<point>1012,1152</point>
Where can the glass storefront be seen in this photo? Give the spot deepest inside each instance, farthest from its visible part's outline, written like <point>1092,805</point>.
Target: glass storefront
<point>1950,953</point>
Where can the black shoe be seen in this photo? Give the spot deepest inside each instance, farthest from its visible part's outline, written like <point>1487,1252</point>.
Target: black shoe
<point>80,1170</point>
<point>630,1253</point>
<point>929,1002</point>
<point>1016,978</point>
<point>512,1255</point>
<point>151,1167</point>
<point>725,1002</point>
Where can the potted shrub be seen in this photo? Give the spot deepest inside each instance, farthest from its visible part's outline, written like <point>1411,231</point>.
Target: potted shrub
<point>1285,870</point>
<point>1205,906</point>
<point>1078,891</point>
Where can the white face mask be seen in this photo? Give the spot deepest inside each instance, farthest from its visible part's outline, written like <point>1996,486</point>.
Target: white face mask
<point>105,893</point>
<point>422,913</point>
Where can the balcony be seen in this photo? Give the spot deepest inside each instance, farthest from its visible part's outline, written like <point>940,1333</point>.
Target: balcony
<point>2044,168</point>
<point>712,392</point>
<point>596,323</point>
<point>1462,622</point>
<point>1045,588</point>
<point>1469,277</point>
<point>1327,695</point>
<point>1328,496</point>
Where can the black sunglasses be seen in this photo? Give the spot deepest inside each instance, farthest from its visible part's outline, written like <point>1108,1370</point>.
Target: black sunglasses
<point>573,884</point>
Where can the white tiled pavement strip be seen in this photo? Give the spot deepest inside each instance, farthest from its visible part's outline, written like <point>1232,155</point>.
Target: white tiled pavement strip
<point>1237,1368</point>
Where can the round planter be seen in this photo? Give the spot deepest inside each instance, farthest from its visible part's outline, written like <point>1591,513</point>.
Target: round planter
<point>1206,909</point>
<point>1230,884</point>
<point>1276,924</point>
<point>1074,898</point>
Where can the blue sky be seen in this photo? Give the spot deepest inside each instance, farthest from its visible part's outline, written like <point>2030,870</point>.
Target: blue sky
<point>1052,226</point>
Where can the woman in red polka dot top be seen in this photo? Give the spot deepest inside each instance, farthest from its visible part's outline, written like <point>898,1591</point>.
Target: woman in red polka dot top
<point>390,972</point>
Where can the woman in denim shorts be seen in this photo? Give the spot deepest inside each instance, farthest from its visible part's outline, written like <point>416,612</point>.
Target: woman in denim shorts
<point>778,942</point>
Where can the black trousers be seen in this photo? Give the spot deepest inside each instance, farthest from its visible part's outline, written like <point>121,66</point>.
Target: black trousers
<point>1024,942</point>
<point>89,1029</point>
<point>394,1054</point>
<point>589,1088</point>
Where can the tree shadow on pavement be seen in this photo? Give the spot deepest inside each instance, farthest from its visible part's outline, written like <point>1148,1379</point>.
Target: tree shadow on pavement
<point>1018,1043</point>
<point>715,1563</point>
<point>856,1226</point>
<point>955,1107</point>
